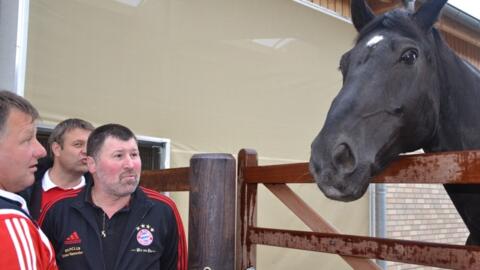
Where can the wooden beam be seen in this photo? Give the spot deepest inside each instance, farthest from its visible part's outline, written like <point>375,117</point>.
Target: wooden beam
<point>441,168</point>
<point>314,221</point>
<point>246,253</point>
<point>379,6</point>
<point>445,168</point>
<point>420,253</point>
<point>452,28</point>
<point>166,180</point>
<point>277,174</point>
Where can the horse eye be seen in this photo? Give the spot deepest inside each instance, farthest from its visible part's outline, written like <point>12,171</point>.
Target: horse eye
<point>409,57</point>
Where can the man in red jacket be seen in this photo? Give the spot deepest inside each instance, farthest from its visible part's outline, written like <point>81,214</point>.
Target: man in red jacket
<point>66,167</point>
<point>24,246</point>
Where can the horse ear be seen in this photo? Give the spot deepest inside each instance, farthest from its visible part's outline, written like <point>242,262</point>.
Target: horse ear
<point>428,13</point>
<point>361,14</point>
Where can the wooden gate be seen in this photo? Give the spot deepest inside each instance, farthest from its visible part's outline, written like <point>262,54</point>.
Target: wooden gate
<point>439,168</point>
<point>215,243</point>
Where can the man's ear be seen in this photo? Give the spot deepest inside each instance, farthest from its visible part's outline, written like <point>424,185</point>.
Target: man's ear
<point>56,147</point>
<point>92,166</point>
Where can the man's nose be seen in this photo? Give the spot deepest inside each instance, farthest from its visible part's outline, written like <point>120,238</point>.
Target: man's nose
<point>128,162</point>
<point>39,151</point>
<point>83,151</point>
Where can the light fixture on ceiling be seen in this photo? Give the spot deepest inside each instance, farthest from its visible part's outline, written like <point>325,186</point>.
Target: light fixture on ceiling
<point>133,3</point>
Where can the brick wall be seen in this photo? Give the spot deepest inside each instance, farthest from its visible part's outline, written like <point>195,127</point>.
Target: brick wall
<point>424,213</point>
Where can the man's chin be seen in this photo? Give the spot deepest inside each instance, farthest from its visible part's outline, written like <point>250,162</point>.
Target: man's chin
<point>131,182</point>
<point>22,185</point>
<point>30,179</point>
<point>127,191</point>
<point>82,169</point>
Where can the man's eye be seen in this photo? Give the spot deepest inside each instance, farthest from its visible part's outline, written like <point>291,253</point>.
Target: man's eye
<point>27,140</point>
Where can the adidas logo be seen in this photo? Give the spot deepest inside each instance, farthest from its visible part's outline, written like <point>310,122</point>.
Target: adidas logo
<point>73,239</point>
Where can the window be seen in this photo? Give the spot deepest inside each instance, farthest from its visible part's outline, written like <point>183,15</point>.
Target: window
<point>154,152</point>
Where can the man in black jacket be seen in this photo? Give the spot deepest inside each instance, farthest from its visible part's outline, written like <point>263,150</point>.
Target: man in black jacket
<point>64,169</point>
<point>112,223</point>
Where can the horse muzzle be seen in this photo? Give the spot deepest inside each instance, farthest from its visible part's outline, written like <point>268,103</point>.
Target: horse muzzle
<point>339,173</point>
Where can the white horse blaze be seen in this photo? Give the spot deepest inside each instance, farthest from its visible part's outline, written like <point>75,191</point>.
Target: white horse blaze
<point>374,41</point>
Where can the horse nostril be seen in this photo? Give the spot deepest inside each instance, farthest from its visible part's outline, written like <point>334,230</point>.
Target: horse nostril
<point>343,158</point>
<point>398,110</point>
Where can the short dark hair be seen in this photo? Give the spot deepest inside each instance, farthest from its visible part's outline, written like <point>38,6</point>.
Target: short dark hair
<point>9,100</point>
<point>65,126</point>
<point>99,135</point>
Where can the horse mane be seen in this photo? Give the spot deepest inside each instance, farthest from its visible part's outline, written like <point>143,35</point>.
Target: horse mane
<point>397,20</point>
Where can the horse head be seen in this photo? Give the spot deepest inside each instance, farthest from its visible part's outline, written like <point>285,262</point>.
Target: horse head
<point>388,102</point>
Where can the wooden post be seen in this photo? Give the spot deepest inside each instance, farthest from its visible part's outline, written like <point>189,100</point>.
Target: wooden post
<point>211,226</point>
<point>246,254</point>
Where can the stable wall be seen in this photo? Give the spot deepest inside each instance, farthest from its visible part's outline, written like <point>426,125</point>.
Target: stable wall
<point>212,76</point>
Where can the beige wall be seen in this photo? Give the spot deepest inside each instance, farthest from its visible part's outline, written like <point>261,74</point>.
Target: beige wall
<point>213,76</point>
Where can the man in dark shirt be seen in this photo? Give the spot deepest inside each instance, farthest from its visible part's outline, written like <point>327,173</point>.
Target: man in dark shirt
<point>129,227</point>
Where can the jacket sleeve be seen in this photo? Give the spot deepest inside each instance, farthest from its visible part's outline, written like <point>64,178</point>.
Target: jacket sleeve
<point>175,255</point>
<point>170,258</point>
<point>46,222</point>
<point>24,246</point>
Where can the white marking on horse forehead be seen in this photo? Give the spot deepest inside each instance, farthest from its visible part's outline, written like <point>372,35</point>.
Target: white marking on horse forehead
<point>374,40</point>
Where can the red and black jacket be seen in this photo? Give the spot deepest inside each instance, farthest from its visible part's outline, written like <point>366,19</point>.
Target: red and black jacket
<point>70,224</point>
<point>33,194</point>
<point>23,245</point>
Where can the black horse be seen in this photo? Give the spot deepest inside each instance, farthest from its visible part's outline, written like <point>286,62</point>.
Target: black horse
<point>403,89</point>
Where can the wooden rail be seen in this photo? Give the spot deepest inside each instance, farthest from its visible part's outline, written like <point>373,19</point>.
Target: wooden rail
<point>440,168</point>
<point>313,220</point>
<point>166,180</point>
<point>211,232</point>
<point>429,254</point>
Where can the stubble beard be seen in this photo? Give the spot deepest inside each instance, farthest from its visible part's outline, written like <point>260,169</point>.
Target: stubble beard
<point>130,185</point>
<point>121,187</point>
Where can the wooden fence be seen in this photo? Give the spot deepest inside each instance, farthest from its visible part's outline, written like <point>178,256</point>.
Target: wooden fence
<point>440,168</point>
<point>217,206</point>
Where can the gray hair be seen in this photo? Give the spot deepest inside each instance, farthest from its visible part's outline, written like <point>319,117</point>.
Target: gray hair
<point>66,126</point>
<point>9,100</point>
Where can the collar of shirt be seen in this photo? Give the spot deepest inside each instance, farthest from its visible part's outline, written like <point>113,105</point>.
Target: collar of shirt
<point>89,200</point>
<point>48,184</point>
<point>14,197</point>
